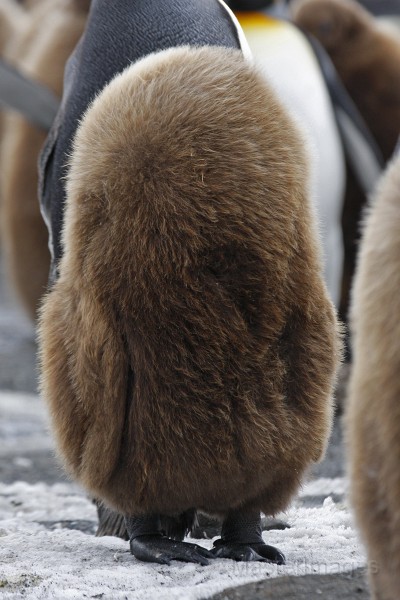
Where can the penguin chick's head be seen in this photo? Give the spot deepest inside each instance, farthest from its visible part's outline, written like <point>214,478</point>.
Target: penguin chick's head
<point>335,23</point>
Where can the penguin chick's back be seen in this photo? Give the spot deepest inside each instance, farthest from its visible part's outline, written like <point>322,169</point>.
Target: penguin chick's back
<point>188,347</point>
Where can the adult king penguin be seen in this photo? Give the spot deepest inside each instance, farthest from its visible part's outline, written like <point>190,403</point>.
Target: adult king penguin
<point>188,345</point>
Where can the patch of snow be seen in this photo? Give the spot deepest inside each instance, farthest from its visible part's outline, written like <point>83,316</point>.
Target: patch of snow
<point>17,404</point>
<point>38,564</point>
<point>23,423</point>
<point>325,486</point>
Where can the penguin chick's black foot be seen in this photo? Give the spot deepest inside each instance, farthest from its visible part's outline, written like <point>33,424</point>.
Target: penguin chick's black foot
<point>241,539</point>
<point>148,544</point>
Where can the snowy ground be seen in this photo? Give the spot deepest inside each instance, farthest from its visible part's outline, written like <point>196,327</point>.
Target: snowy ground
<point>48,550</point>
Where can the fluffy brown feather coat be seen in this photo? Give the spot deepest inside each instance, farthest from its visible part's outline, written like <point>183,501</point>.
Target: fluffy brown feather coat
<point>373,415</point>
<point>40,48</point>
<point>189,347</point>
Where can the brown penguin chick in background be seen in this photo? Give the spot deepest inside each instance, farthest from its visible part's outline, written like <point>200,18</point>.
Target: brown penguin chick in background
<point>373,414</point>
<point>189,347</point>
<point>367,58</point>
<point>40,50</point>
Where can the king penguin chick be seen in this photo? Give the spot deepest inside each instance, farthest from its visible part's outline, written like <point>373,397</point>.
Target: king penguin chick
<point>188,344</point>
<point>367,58</point>
<point>373,413</point>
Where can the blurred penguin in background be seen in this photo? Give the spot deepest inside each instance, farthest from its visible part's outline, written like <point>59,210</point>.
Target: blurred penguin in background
<point>40,42</point>
<point>188,343</point>
<point>367,58</point>
<point>373,413</point>
<point>12,21</point>
<point>366,55</point>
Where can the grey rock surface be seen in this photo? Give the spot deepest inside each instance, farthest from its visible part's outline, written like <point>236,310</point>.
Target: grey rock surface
<point>343,586</point>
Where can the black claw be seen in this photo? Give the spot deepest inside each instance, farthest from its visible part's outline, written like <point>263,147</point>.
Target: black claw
<point>271,553</point>
<point>147,550</point>
<point>241,539</point>
<point>160,549</point>
<point>249,552</point>
<point>239,552</point>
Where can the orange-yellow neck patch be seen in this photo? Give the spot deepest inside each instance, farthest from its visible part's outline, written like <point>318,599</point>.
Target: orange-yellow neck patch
<point>257,20</point>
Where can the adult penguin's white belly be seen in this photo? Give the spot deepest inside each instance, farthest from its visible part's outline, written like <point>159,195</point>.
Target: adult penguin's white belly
<point>288,62</point>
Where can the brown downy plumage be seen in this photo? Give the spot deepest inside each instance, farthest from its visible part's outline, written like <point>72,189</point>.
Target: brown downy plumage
<point>373,415</point>
<point>189,348</point>
<point>40,49</point>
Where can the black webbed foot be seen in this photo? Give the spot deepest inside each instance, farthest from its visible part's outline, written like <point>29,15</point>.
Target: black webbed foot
<point>147,543</point>
<point>160,549</point>
<point>248,552</point>
<point>241,539</point>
